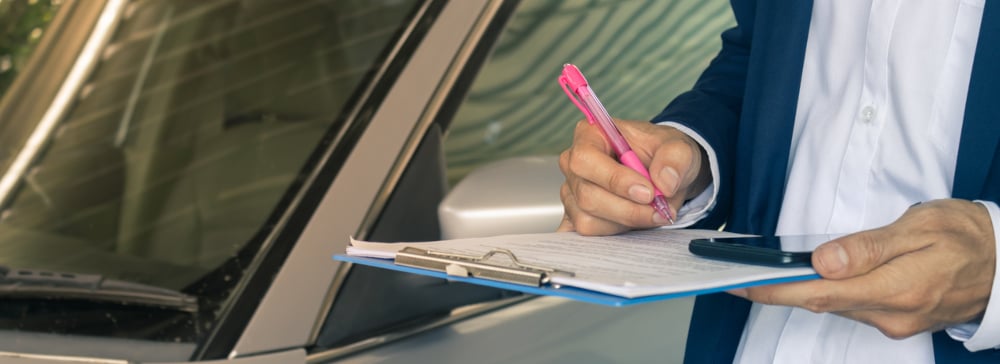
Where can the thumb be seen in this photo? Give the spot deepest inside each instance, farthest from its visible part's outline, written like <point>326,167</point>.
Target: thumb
<point>857,254</point>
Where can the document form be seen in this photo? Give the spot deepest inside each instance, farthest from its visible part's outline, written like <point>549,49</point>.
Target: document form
<point>634,264</point>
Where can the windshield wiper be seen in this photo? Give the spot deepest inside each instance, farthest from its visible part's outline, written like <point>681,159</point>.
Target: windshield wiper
<point>27,283</point>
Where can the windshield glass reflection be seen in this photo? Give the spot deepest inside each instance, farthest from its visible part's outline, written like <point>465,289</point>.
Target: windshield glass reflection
<point>197,120</point>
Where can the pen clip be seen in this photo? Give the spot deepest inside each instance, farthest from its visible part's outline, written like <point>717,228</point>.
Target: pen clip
<point>478,266</point>
<point>565,83</point>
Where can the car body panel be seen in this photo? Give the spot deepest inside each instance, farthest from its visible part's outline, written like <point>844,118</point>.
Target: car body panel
<point>42,345</point>
<point>289,356</point>
<point>550,330</point>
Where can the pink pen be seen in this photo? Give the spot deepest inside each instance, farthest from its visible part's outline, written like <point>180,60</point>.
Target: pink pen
<point>579,91</point>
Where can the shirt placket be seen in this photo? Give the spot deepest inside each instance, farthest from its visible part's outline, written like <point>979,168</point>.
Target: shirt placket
<point>870,118</point>
<point>805,334</point>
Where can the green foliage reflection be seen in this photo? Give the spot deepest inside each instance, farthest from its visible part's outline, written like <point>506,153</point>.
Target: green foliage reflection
<point>22,23</point>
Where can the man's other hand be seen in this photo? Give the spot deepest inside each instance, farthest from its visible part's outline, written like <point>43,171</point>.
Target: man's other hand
<point>931,268</point>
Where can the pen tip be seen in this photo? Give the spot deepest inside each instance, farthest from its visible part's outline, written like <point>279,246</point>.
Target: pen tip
<point>663,208</point>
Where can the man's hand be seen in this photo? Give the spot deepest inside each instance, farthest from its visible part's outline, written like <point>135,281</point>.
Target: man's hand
<point>931,268</point>
<point>603,197</point>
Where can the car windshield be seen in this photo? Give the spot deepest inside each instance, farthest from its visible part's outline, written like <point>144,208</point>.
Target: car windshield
<point>22,24</point>
<point>195,121</point>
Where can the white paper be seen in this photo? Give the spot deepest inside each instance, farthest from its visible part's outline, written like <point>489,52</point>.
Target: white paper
<point>634,264</point>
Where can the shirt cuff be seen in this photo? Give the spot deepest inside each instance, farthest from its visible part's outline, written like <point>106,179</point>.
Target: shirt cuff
<point>985,334</point>
<point>698,207</point>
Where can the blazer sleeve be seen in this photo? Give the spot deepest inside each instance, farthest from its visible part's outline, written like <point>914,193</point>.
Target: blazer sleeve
<point>712,107</point>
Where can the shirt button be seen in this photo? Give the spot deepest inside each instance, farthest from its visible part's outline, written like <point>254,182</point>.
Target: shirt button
<point>867,113</point>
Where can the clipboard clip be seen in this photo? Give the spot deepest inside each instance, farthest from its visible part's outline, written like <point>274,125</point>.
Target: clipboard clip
<point>461,265</point>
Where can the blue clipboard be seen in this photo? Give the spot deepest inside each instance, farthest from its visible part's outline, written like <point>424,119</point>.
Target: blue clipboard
<point>561,291</point>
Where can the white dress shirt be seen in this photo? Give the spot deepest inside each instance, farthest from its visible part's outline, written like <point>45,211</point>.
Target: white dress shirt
<point>877,129</point>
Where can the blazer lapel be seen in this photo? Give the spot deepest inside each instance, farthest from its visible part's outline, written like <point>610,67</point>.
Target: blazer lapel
<point>977,162</point>
<point>981,130</point>
<point>772,93</point>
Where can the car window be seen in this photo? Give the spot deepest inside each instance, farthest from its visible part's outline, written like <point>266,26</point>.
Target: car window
<point>197,121</point>
<point>637,55</point>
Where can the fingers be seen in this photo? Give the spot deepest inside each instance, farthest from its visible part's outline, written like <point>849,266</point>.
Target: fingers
<point>565,225</point>
<point>931,268</point>
<point>860,253</point>
<point>910,293</point>
<point>894,325</point>
<point>675,164</point>
<point>861,293</point>
<point>587,215</point>
<point>920,227</point>
<point>600,195</point>
<point>591,160</point>
<point>892,322</point>
<point>898,312</point>
<point>905,282</point>
<point>577,220</point>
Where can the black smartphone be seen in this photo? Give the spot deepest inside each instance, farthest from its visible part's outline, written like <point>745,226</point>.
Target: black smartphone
<point>751,250</point>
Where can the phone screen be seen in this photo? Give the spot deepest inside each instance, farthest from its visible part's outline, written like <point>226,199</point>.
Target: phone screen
<point>775,251</point>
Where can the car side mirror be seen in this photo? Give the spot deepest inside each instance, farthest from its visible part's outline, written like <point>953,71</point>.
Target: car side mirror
<point>511,196</point>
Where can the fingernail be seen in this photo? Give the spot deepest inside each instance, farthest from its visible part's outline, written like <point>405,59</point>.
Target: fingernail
<point>659,219</point>
<point>670,179</point>
<point>832,257</point>
<point>640,194</point>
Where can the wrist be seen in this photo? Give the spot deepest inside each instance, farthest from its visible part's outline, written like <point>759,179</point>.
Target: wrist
<point>704,177</point>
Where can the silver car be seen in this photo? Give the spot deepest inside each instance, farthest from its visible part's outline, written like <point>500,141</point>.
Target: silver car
<point>175,175</point>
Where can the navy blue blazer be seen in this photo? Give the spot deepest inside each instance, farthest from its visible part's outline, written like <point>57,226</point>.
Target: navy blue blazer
<point>744,106</point>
